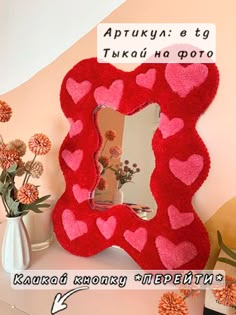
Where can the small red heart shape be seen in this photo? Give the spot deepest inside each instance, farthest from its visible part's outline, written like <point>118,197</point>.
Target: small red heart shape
<point>73,228</point>
<point>174,256</point>
<point>75,127</point>
<point>179,219</point>
<point>136,239</point>
<point>187,171</point>
<point>77,90</point>
<point>111,96</point>
<point>183,80</point>
<point>147,79</point>
<point>73,159</point>
<point>169,127</point>
<point>106,227</point>
<point>80,194</point>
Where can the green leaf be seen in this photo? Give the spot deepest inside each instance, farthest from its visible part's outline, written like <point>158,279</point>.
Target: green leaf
<point>12,205</point>
<point>12,169</point>
<point>227,261</point>
<point>226,249</point>
<point>25,212</point>
<point>42,199</point>
<point>36,210</point>
<point>44,205</point>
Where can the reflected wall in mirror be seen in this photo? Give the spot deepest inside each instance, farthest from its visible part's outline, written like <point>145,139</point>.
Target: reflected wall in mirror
<point>133,162</point>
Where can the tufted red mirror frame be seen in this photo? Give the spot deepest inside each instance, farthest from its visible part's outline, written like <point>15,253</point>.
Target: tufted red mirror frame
<point>175,238</point>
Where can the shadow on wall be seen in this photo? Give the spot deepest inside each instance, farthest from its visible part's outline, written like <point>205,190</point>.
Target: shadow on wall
<point>223,220</point>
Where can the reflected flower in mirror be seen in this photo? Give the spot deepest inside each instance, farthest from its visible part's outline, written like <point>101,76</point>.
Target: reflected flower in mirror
<point>124,173</point>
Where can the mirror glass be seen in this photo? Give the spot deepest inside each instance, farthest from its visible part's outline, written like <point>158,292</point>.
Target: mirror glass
<point>126,159</point>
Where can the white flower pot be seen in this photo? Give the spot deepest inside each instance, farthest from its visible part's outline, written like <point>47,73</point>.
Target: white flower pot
<point>118,197</point>
<point>16,246</point>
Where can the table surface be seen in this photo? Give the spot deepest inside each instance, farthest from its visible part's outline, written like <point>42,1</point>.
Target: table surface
<point>113,302</point>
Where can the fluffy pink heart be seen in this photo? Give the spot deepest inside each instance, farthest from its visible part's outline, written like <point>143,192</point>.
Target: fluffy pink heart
<point>111,96</point>
<point>179,219</point>
<point>136,239</point>
<point>75,127</point>
<point>183,80</point>
<point>77,90</point>
<point>72,159</point>
<point>80,194</point>
<point>106,227</point>
<point>147,79</point>
<point>174,256</point>
<point>169,127</point>
<point>187,171</point>
<point>73,228</point>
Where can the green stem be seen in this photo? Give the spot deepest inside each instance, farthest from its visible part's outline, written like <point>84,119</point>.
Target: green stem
<point>104,147</point>
<point>27,174</point>
<point>5,206</point>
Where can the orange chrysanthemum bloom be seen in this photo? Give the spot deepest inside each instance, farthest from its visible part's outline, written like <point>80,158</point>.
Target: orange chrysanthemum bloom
<point>104,160</point>
<point>110,135</point>
<point>172,304</point>
<point>27,194</point>
<point>8,158</point>
<point>190,292</point>
<point>5,112</point>
<point>39,144</point>
<point>115,152</point>
<point>227,295</point>
<point>102,185</point>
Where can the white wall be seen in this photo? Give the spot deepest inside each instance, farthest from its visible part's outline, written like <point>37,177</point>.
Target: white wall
<point>137,137</point>
<point>34,33</point>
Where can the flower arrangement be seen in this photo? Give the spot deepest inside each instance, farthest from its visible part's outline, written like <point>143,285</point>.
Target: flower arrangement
<point>124,174</point>
<point>174,303</point>
<point>19,201</point>
<point>106,161</point>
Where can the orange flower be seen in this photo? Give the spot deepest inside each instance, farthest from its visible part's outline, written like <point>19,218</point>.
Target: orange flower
<point>172,304</point>
<point>227,295</point>
<point>8,158</point>
<point>190,292</point>
<point>39,144</point>
<point>110,135</point>
<point>104,160</point>
<point>5,112</point>
<point>115,151</point>
<point>102,185</point>
<point>27,194</point>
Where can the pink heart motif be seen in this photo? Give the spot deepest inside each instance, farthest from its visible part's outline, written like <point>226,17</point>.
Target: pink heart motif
<point>80,194</point>
<point>183,80</point>
<point>174,256</point>
<point>147,79</point>
<point>111,96</point>
<point>73,228</point>
<point>169,127</point>
<point>75,127</point>
<point>77,90</point>
<point>106,227</point>
<point>187,171</point>
<point>72,159</point>
<point>136,239</point>
<point>179,219</point>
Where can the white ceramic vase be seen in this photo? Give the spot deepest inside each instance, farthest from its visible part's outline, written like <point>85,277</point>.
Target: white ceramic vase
<point>16,250</point>
<point>118,197</point>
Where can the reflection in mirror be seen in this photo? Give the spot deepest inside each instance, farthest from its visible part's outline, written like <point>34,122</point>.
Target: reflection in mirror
<point>126,160</point>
